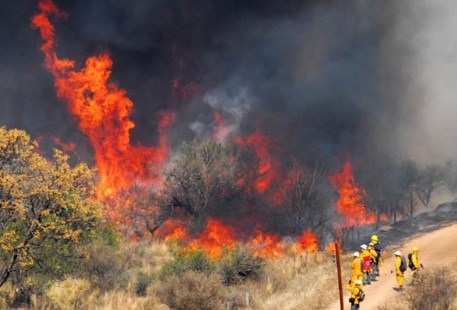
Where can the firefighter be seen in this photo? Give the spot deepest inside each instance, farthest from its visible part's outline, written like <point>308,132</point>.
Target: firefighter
<point>357,294</point>
<point>415,263</point>
<point>366,264</point>
<point>377,247</point>
<point>374,257</point>
<point>400,275</point>
<point>356,268</point>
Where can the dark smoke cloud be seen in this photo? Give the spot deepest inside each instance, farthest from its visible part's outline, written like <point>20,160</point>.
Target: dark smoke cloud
<point>321,76</point>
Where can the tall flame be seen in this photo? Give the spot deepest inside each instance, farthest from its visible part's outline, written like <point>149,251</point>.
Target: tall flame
<point>267,164</point>
<point>103,112</point>
<point>350,203</point>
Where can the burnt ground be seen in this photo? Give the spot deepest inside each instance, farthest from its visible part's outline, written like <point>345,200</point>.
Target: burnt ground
<point>391,235</point>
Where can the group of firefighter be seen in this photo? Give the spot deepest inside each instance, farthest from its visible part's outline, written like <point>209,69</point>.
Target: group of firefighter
<point>365,268</point>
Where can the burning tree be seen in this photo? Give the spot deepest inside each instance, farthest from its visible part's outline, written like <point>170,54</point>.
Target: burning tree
<point>302,197</point>
<point>207,175</point>
<point>46,212</point>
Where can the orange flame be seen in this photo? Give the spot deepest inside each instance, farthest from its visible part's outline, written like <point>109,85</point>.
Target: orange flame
<point>331,247</point>
<point>350,203</point>
<point>172,230</point>
<point>214,238</point>
<point>266,245</point>
<point>66,147</point>
<point>222,130</point>
<point>308,242</point>
<point>267,164</point>
<point>103,112</point>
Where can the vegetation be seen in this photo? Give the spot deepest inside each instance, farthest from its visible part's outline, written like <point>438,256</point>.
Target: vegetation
<point>437,289</point>
<point>239,266</point>
<point>46,213</point>
<point>434,289</point>
<point>206,175</point>
<point>56,252</point>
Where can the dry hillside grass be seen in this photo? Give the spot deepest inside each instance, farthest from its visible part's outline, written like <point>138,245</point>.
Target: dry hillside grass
<point>293,281</point>
<point>435,289</point>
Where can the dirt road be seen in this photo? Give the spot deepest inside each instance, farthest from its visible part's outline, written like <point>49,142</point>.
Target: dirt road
<point>435,249</point>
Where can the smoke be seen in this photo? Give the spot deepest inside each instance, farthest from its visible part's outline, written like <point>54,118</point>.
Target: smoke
<point>366,79</point>
<point>428,30</point>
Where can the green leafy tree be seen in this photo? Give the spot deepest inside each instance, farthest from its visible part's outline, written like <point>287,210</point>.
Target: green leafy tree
<point>46,210</point>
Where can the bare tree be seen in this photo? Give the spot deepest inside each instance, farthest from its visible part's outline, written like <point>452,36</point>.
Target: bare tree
<point>302,198</point>
<point>207,174</point>
<point>391,190</point>
<point>429,180</point>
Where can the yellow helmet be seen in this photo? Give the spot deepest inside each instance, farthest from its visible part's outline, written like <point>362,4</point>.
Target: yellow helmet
<point>415,249</point>
<point>374,238</point>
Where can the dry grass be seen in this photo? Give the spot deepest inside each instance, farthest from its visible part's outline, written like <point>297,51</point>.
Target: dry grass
<point>435,290</point>
<point>294,281</point>
<point>121,300</point>
<point>291,282</point>
<point>192,291</point>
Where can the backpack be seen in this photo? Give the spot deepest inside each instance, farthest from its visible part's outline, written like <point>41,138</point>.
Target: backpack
<point>403,264</point>
<point>366,263</point>
<point>378,249</point>
<point>361,296</point>
<point>410,261</point>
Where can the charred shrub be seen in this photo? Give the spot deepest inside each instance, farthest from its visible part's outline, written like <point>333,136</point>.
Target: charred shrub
<point>241,265</point>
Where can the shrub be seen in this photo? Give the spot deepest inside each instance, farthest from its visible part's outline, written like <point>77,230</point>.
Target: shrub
<point>435,290</point>
<point>195,260</point>
<point>192,291</point>
<point>69,293</point>
<point>241,265</point>
<point>143,280</point>
<point>105,266</point>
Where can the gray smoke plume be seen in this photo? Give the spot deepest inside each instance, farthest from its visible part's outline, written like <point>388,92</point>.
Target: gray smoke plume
<point>372,80</point>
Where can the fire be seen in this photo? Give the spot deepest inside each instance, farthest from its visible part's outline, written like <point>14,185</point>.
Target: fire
<point>350,203</point>
<point>308,242</point>
<point>331,247</point>
<point>222,131</point>
<point>266,245</point>
<point>103,111</point>
<point>66,147</point>
<point>172,230</point>
<point>267,164</point>
<point>215,238</point>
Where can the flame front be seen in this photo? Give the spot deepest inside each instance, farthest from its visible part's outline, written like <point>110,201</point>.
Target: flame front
<point>308,242</point>
<point>103,113</point>
<point>266,245</point>
<point>350,203</point>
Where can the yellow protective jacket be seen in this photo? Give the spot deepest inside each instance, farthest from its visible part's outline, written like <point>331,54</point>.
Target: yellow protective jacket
<point>356,266</point>
<point>355,291</point>
<point>373,254</point>
<point>415,259</point>
<point>397,265</point>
